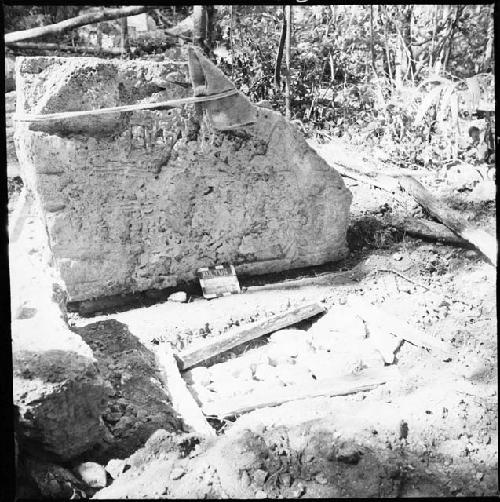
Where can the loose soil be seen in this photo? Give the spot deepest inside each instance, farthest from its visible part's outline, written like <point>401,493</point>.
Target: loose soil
<point>431,432</point>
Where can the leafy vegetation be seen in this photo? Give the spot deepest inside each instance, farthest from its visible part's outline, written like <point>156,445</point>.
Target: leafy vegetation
<point>411,81</point>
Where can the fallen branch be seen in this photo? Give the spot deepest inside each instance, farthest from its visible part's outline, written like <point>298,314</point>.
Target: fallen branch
<point>483,241</point>
<point>397,327</point>
<point>276,395</point>
<point>426,229</point>
<point>192,356</point>
<point>74,22</point>
<point>182,400</point>
<point>480,239</point>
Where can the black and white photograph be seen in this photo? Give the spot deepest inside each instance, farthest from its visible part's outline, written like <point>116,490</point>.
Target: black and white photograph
<point>251,251</point>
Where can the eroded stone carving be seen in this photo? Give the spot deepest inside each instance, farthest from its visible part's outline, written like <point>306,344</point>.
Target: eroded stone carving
<point>138,201</point>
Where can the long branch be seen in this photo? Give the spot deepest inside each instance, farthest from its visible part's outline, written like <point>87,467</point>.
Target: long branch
<point>74,22</point>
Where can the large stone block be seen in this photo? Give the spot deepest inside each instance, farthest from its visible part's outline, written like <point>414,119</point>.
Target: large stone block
<point>138,201</point>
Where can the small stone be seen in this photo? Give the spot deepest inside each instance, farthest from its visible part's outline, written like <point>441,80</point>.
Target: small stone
<point>200,375</point>
<point>179,297</point>
<point>245,479</point>
<point>93,474</point>
<point>260,494</point>
<point>285,479</point>
<point>349,455</point>
<point>177,473</point>
<point>479,476</point>
<point>298,491</point>
<point>259,477</point>
<point>321,479</point>
<point>397,257</point>
<point>265,372</point>
<point>115,467</point>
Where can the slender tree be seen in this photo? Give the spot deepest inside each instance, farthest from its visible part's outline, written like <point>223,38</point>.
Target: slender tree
<point>288,15</point>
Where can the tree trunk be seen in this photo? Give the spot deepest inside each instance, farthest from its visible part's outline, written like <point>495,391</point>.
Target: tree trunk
<point>75,22</point>
<point>125,46</point>
<point>488,53</point>
<point>288,15</point>
<point>372,47</point>
<point>386,43</point>
<point>409,68</point>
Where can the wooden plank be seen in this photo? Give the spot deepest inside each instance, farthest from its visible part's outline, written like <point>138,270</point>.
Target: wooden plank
<point>276,395</point>
<point>396,326</point>
<point>182,400</point>
<point>202,352</point>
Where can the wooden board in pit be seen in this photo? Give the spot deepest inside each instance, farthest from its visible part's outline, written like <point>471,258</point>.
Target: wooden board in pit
<point>218,281</point>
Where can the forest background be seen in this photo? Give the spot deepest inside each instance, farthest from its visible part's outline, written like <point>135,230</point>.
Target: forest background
<point>413,83</point>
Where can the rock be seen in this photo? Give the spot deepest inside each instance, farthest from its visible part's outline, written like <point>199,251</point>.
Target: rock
<point>326,365</point>
<point>245,479</point>
<point>348,454</point>
<point>57,388</point>
<point>340,326</point>
<point>285,479</point>
<point>264,372</point>
<point>479,476</point>
<point>177,473</point>
<point>291,374</point>
<point>54,481</point>
<point>200,375</point>
<point>92,474</point>
<point>115,467</point>
<point>294,491</point>
<point>260,494</point>
<point>135,202</point>
<point>241,372</point>
<point>397,256</point>
<point>321,478</point>
<point>288,336</point>
<point>179,297</point>
<point>259,477</point>
<point>138,404</point>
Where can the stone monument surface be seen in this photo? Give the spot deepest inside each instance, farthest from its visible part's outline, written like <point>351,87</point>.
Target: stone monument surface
<point>134,201</point>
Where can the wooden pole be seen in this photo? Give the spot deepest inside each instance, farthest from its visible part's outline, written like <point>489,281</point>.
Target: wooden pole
<point>192,356</point>
<point>75,22</point>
